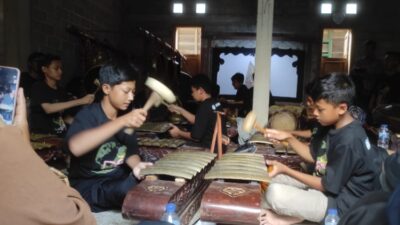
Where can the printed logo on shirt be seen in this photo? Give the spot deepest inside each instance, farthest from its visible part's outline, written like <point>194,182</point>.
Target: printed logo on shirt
<point>59,125</point>
<point>321,161</point>
<point>109,156</point>
<point>314,131</point>
<point>320,165</point>
<point>367,143</point>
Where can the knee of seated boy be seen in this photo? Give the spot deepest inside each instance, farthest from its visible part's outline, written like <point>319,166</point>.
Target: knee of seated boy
<point>274,194</point>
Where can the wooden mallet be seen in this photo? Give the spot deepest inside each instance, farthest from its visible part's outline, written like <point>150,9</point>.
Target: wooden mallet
<point>250,122</point>
<point>160,94</point>
<point>98,85</point>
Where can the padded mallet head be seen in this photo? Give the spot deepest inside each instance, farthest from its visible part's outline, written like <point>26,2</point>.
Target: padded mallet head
<point>249,121</point>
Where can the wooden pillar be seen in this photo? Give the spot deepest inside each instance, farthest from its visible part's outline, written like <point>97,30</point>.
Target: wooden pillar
<point>265,15</point>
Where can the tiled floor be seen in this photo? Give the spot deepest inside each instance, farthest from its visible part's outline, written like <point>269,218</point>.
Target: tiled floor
<point>112,218</point>
<point>115,218</point>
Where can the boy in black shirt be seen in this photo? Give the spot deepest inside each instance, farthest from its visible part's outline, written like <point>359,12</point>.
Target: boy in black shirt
<point>105,163</point>
<point>204,120</point>
<point>49,100</point>
<point>344,173</point>
<point>242,94</point>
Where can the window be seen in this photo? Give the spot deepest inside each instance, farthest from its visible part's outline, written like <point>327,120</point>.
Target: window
<point>286,71</point>
<point>200,8</point>
<point>351,8</point>
<point>336,51</point>
<point>336,43</point>
<point>326,8</point>
<point>188,40</point>
<point>178,8</point>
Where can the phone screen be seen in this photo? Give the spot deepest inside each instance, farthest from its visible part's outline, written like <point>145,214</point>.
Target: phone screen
<point>9,81</point>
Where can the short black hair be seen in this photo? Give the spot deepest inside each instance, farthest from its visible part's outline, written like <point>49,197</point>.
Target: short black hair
<point>202,81</point>
<point>335,89</point>
<point>238,77</point>
<point>309,86</point>
<point>370,43</point>
<point>35,60</point>
<point>116,72</point>
<point>48,58</point>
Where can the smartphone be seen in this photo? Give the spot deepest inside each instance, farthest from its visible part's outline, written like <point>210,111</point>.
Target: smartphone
<point>9,82</point>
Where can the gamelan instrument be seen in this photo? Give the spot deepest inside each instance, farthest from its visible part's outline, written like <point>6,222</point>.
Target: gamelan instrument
<point>178,178</point>
<point>160,94</point>
<point>154,127</point>
<point>162,143</point>
<point>234,197</point>
<point>47,146</point>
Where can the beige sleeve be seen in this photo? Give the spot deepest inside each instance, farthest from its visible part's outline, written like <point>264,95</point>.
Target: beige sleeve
<point>30,193</point>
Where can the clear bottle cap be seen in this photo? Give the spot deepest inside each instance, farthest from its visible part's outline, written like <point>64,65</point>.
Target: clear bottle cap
<point>170,207</point>
<point>384,125</point>
<point>332,212</point>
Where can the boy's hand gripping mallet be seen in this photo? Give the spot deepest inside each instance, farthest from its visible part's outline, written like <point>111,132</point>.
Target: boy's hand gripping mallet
<point>160,94</point>
<point>250,122</point>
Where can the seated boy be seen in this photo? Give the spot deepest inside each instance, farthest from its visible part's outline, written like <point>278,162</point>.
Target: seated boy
<point>49,100</point>
<point>204,120</point>
<point>371,208</point>
<point>307,120</point>
<point>344,173</point>
<point>242,94</point>
<point>105,163</point>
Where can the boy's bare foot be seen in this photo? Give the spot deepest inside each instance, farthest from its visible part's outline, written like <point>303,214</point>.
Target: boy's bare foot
<point>268,217</point>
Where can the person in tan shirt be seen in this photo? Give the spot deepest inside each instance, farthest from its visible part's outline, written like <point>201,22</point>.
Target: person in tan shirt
<point>30,193</point>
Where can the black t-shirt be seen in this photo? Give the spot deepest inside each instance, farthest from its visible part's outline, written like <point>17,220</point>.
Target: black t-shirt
<point>40,122</point>
<point>369,210</point>
<point>204,124</point>
<point>26,82</point>
<point>393,96</point>
<point>104,159</point>
<point>243,94</point>
<point>349,174</point>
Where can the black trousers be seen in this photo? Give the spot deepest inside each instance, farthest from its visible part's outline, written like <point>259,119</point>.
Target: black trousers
<point>106,192</point>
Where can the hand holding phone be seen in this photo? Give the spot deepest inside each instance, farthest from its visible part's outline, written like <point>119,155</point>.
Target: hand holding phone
<point>9,82</point>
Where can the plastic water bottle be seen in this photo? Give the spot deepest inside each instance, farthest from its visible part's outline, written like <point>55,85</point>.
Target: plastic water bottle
<point>383,136</point>
<point>332,218</point>
<point>170,215</point>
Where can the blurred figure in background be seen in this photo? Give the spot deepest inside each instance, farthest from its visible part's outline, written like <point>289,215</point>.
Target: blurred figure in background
<point>33,74</point>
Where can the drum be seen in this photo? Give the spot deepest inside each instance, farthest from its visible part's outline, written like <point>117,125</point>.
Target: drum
<point>283,120</point>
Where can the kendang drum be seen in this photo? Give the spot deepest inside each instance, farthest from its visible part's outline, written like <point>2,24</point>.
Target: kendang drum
<point>283,120</point>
